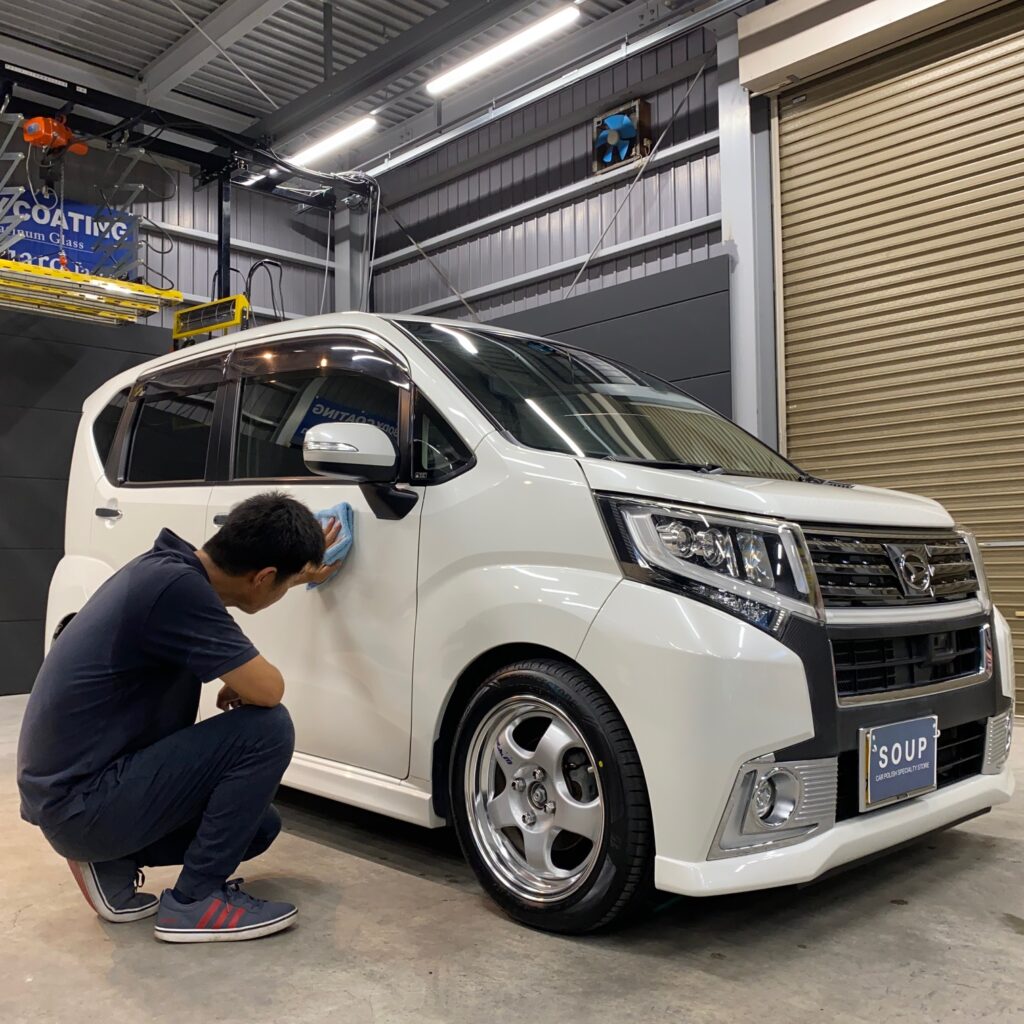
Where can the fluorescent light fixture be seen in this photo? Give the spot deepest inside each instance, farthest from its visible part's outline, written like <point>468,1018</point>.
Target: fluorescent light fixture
<point>253,179</point>
<point>503,51</point>
<point>347,134</point>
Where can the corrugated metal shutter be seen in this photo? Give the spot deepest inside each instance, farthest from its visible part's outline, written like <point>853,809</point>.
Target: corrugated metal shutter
<point>902,238</point>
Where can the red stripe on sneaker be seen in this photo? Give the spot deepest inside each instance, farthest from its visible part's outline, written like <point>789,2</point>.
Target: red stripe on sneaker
<point>236,917</point>
<point>210,911</point>
<point>219,923</point>
<point>76,871</point>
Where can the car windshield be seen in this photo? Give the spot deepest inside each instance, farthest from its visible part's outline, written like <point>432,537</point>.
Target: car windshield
<point>562,399</point>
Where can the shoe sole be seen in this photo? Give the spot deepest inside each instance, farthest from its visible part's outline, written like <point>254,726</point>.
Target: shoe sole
<point>85,876</point>
<point>253,931</point>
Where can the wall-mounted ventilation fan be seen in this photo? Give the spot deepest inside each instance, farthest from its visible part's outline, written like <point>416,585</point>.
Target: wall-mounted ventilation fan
<point>622,136</point>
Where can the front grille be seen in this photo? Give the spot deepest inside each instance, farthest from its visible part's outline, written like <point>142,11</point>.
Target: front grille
<point>886,664</point>
<point>961,752</point>
<point>864,570</point>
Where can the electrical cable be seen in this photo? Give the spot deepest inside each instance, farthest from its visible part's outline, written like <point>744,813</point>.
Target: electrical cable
<point>437,270</point>
<point>327,258</point>
<point>265,264</point>
<point>639,174</point>
<point>224,53</point>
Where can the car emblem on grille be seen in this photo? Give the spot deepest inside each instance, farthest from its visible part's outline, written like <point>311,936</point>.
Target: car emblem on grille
<point>914,569</point>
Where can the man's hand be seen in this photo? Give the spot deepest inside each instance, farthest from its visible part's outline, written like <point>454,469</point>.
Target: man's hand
<point>227,698</point>
<point>321,573</point>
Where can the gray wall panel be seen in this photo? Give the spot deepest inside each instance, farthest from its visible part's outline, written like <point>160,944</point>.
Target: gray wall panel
<point>33,511</point>
<point>715,390</point>
<point>22,645</point>
<point>30,569</point>
<point>674,324</point>
<point>670,195</point>
<point>53,366</point>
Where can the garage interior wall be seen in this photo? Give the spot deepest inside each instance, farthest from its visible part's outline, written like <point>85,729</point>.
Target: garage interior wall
<point>901,185</point>
<point>50,366</point>
<point>536,151</point>
<point>642,322</point>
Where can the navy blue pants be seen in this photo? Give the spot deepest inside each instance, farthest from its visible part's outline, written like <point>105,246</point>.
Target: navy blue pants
<point>199,797</point>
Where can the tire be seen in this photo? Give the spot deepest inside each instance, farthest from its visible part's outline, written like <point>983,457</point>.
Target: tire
<point>546,715</point>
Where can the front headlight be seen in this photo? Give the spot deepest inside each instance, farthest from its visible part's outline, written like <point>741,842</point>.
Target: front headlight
<point>755,568</point>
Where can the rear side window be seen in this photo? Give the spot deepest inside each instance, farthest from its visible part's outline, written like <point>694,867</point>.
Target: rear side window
<point>172,434</point>
<point>104,427</point>
<point>278,408</point>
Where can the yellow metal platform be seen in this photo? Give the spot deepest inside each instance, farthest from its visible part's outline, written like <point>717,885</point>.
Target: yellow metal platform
<point>65,293</point>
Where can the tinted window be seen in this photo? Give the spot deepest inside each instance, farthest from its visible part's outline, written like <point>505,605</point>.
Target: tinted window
<point>437,451</point>
<point>172,434</point>
<point>277,410</point>
<point>563,399</point>
<point>104,427</point>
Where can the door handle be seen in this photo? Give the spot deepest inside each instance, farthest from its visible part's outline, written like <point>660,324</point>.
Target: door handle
<point>109,513</point>
<point>221,519</point>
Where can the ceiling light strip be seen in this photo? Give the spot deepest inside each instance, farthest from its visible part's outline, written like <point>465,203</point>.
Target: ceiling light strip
<point>504,51</point>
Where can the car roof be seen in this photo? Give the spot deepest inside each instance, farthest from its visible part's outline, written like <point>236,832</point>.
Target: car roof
<point>350,319</point>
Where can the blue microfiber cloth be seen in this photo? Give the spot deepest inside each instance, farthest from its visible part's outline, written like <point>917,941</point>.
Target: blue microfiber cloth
<point>341,547</point>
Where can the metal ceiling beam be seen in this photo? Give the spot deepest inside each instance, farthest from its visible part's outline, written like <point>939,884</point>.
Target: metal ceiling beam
<point>73,72</point>
<point>432,37</point>
<point>225,26</point>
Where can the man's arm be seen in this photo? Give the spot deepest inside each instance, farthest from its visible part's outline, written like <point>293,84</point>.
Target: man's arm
<point>256,682</point>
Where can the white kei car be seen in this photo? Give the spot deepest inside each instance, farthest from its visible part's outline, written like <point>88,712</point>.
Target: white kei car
<point>611,637</point>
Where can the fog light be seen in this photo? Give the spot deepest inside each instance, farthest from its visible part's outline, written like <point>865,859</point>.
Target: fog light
<point>775,797</point>
<point>764,798</point>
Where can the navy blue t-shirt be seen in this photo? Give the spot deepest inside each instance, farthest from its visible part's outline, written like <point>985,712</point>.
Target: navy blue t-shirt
<point>125,673</point>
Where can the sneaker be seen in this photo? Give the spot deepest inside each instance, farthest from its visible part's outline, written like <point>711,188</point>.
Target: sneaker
<point>229,915</point>
<point>111,888</point>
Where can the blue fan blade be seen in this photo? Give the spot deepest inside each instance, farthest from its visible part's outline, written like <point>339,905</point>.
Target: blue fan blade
<point>627,132</point>
<point>617,122</point>
<point>608,153</point>
<point>602,138</point>
<point>623,150</point>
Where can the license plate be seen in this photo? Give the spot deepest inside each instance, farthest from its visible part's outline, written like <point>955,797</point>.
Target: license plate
<point>898,761</point>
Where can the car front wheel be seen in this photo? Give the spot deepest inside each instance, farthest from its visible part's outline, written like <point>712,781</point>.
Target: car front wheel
<point>549,799</point>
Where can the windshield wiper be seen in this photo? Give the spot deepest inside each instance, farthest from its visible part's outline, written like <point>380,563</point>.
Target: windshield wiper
<point>693,467</point>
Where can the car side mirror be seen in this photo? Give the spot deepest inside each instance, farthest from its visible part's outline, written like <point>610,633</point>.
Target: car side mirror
<point>359,452</point>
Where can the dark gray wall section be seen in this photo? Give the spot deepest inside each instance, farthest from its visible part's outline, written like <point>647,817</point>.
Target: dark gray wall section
<point>50,366</point>
<point>674,324</point>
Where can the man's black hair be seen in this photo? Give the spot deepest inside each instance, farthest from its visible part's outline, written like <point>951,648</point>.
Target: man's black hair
<point>267,530</point>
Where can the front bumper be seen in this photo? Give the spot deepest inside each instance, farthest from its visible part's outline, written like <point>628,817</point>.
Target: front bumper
<point>848,841</point>
<point>703,693</point>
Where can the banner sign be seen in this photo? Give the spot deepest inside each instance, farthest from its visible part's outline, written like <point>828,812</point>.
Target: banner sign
<point>85,244</point>
<point>322,411</point>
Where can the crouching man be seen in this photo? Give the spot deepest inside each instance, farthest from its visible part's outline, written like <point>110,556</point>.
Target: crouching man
<point>111,765</point>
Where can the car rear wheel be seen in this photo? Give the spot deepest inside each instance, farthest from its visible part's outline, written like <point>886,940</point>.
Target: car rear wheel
<point>549,799</point>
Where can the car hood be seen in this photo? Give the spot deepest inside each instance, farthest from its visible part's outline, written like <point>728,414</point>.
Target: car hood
<point>784,499</point>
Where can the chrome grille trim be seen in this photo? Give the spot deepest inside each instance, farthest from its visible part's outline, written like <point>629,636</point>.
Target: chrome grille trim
<point>859,569</point>
<point>998,733</point>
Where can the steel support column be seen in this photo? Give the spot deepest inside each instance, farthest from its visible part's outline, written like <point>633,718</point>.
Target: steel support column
<point>351,254</point>
<point>223,234</point>
<point>745,156</point>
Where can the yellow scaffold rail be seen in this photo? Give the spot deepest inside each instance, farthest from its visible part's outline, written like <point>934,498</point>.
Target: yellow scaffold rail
<point>65,293</point>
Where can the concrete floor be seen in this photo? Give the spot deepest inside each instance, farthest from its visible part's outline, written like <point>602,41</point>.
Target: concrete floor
<point>394,929</point>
